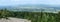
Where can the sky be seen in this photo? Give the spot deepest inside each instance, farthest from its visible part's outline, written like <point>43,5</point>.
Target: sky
<point>23,2</point>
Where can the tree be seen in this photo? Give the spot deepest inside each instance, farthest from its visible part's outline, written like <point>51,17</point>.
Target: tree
<point>4,13</point>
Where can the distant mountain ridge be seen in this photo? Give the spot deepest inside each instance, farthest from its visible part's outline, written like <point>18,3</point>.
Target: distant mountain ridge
<point>32,7</point>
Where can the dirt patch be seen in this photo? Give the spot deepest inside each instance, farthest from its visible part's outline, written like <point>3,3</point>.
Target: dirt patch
<point>14,20</point>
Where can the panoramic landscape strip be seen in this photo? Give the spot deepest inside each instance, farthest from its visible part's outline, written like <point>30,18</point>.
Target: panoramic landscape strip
<point>33,16</point>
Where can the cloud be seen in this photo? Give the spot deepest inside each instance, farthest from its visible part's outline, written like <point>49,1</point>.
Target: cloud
<point>15,2</point>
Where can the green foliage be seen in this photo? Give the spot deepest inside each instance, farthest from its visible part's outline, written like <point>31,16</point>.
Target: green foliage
<point>33,16</point>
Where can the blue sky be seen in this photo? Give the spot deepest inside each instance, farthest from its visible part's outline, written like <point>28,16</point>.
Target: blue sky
<point>23,2</point>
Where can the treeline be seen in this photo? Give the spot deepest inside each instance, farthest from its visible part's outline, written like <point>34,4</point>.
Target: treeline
<point>33,16</point>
